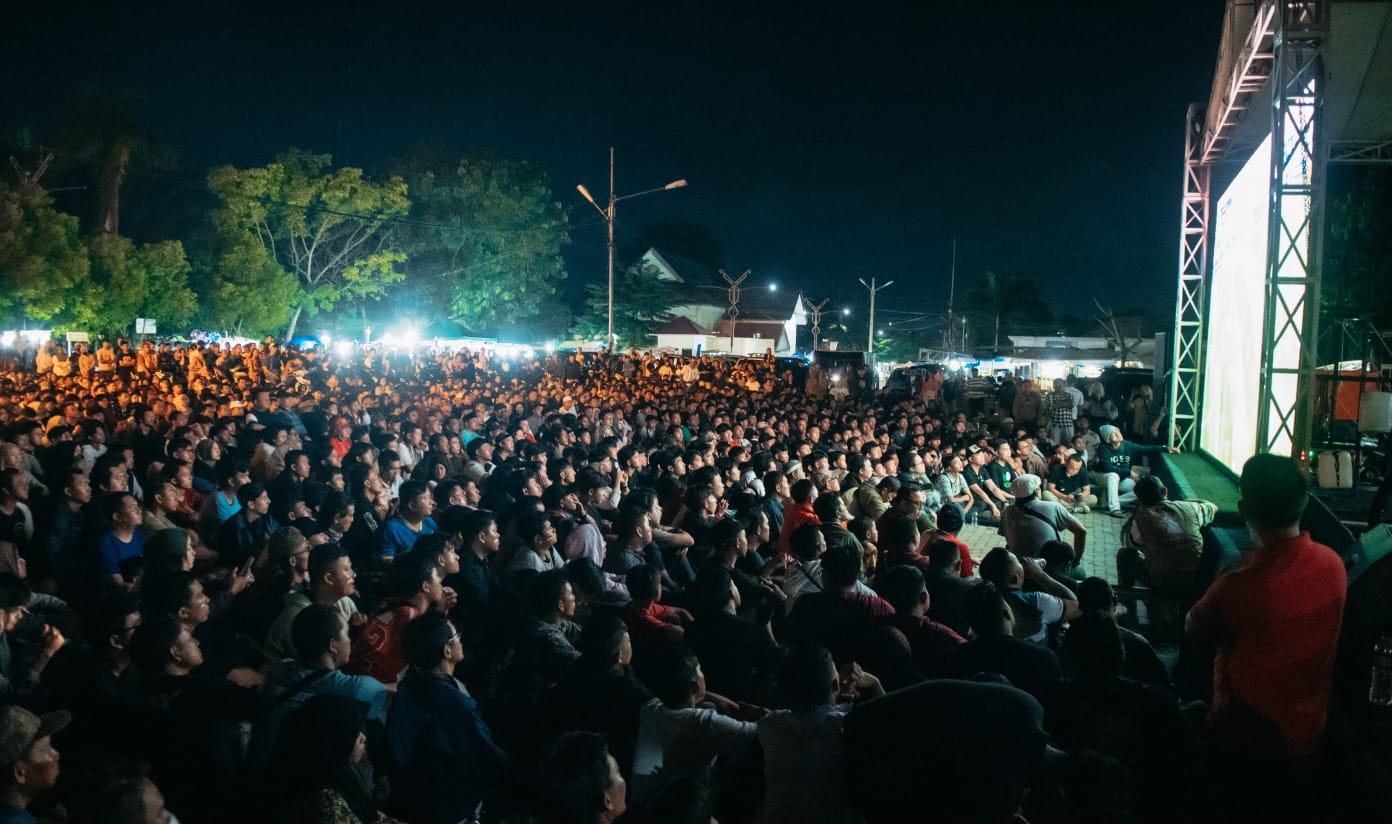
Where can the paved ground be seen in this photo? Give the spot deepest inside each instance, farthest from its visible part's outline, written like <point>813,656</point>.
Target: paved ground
<point>1099,557</point>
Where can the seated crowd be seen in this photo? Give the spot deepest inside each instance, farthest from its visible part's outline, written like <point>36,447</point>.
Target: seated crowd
<point>258,584</point>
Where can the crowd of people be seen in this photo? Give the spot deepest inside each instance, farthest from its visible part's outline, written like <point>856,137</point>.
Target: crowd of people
<point>254,583</point>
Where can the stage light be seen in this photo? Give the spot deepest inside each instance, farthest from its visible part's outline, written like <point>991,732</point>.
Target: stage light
<point>773,287</point>
<point>344,348</point>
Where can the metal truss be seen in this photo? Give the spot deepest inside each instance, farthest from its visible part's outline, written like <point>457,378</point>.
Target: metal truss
<point>1361,152</point>
<point>1249,74</point>
<point>1290,329</point>
<point>1186,373</point>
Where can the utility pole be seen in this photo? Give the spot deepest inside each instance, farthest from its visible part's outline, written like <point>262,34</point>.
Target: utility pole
<point>951,292</point>
<point>734,295</point>
<point>608,214</point>
<point>870,337</point>
<point>609,219</point>
<point>817,321</point>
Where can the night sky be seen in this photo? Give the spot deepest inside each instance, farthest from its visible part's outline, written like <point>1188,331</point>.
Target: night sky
<point>822,144</point>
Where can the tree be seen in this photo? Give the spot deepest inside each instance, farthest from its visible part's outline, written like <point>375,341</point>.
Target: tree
<point>1003,301</point>
<point>1124,332</point>
<point>642,304</point>
<point>329,228</point>
<point>42,257</point>
<point>127,282</point>
<point>251,295</point>
<point>485,240</point>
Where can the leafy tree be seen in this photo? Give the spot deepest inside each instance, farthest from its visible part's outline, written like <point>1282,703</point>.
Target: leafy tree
<point>127,282</point>
<point>642,304</point>
<point>329,228</point>
<point>485,241</point>
<point>1002,302</point>
<point>42,257</point>
<point>250,294</point>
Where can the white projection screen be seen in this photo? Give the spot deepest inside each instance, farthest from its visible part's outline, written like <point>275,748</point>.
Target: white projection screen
<point>1232,352</point>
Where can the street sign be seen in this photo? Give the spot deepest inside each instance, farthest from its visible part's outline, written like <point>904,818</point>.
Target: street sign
<point>77,337</point>
<point>144,326</point>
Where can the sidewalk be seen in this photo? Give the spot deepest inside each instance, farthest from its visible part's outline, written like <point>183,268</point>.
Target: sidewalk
<point>1099,556</point>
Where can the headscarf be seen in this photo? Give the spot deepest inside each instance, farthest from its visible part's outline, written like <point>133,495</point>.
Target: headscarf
<point>312,752</point>
<point>1105,432</point>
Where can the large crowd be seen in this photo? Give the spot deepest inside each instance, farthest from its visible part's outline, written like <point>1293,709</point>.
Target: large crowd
<point>252,583</point>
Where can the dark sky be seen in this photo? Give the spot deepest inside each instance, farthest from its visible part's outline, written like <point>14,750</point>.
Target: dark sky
<point>822,143</point>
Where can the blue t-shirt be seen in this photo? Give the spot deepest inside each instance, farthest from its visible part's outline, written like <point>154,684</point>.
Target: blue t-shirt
<point>113,550</point>
<point>397,537</point>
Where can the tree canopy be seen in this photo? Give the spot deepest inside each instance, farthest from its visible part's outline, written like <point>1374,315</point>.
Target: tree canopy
<point>42,257</point>
<point>127,282</point>
<point>642,304</point>
<point>329,228</point>
<point>484,242</point>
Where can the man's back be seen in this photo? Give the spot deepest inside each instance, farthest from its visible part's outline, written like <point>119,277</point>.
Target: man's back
<point>1276,618</point>
<point>1026,532</point>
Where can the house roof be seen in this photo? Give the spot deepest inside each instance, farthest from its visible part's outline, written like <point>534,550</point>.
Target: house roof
<point>699,285</point>
<point>681,326</point>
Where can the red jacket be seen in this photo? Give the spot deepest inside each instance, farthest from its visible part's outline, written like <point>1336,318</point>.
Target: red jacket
<point>793,517</point>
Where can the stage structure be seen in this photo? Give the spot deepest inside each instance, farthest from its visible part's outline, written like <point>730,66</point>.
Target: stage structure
<point>1299,84</point>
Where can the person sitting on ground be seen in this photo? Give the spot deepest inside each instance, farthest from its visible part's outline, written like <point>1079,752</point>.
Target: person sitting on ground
<point>1099,709</point>
<point>997,648</point>
<point>838,617</point>
<point>411,522</point>
<point>544,646</point>
<point>930,642</point>
<point>444,761</point>
<point>415,589</point>
<point>600,692</point>
<point>1141,664</point>
<point>1070,486</point>
<point>1115,467</point>
<point>28,759</point>
<point>316,772</point>
<point>22,664</point>
<point>979,485</point>
<point>649,621</point>
<point>579,782</point>
<point>329,580</point>
<point>1165,542</point>
<point>1035,611</point>
<point>950,521</point>
<point>678,737</point>
<point>802,744</point>
<point>1031,523</point>
<point>946,586</point>
<point>799,512</point>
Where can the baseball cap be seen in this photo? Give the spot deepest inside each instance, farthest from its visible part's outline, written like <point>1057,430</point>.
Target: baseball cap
<point>1024,486</point>
<point>20,728</point>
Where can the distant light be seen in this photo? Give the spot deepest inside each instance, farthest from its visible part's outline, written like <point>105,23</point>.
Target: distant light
<point>344,348</point>
<point>846,312</point>
<point>550,347</point>
<point>954,365</point>
<point>881,333</point>
<point>410,336</point>
<point>773,287</point>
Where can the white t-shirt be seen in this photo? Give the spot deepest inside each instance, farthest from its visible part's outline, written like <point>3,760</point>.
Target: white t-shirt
<point>682,742</point>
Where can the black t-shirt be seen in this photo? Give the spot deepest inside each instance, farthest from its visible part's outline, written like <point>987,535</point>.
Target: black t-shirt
<point>12,529</point>
<point>1068,486</point>
<point>975,477</point>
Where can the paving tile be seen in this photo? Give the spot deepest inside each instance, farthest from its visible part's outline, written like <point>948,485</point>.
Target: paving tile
<point>1099,559</point>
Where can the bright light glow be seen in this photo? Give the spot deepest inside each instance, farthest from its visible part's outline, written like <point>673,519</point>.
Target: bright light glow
<point>1232,353</point>
<point>846,312</point>
<point>550,347</point>
<point>410,336</point>
<point>7,337</point>
<point>1053,370</point>
<point>835,377</point>
<point>585,193</point>
<point>676,184</point>
<point>326,339</point>
<point>954,365</point>
<point>1092,371</point>
<point>344,348</point>
<point>773,287</point>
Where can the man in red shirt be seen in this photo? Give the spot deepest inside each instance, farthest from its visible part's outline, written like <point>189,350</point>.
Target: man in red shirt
<point>799,512</point>
<point>1275,619</point>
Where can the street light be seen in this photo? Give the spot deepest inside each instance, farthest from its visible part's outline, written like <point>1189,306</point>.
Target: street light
<point>870,336</point>
<point>608,215</point>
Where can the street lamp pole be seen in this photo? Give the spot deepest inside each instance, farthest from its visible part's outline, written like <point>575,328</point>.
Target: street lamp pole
<point>608,215</point>
<point>870,337</point>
